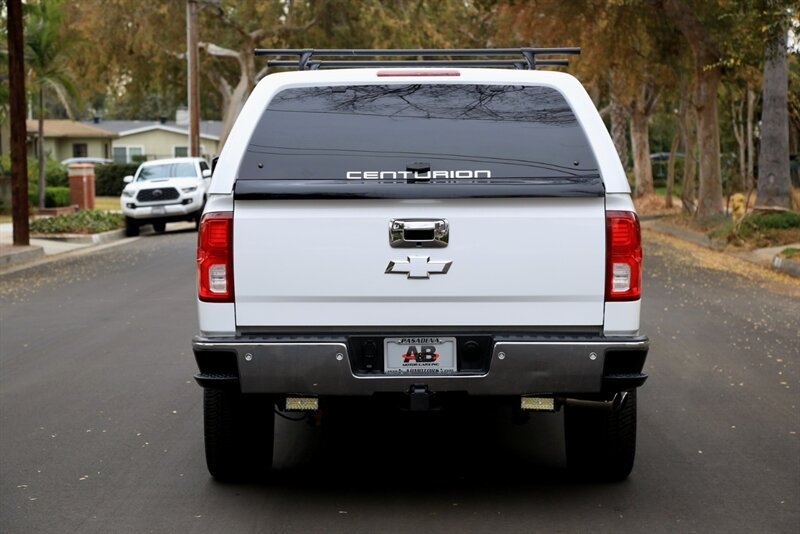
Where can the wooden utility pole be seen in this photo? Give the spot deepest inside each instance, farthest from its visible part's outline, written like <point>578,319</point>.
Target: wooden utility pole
<point>19,158</point>
<point>193,78</point>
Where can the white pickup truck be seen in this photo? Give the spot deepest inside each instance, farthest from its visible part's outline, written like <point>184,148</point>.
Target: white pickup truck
<point>423,232</point>
<point>164,190</point>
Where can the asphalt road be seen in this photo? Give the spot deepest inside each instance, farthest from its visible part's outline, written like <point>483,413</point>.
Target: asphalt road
<point>101,424</point>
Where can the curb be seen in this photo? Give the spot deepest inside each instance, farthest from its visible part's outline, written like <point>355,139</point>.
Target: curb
<point>16,255</point>
<point>84,239</point>
<point>786,265</point>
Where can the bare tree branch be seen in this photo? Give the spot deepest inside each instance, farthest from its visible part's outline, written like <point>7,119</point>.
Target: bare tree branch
<point>263,72</point>
<point>257,35</point>
<point>215,50</point>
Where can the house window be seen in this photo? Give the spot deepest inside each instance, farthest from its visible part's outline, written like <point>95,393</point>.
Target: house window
<point>120,154</point>
<point>79,150</point>
<point>127,154</point>
<point>180,151</point>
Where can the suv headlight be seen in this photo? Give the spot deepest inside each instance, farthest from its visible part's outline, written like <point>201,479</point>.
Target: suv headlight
<point>126,193</point>
<point>189,189</point>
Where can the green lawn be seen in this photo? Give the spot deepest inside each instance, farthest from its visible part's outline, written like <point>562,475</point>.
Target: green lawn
<point>107,203</point>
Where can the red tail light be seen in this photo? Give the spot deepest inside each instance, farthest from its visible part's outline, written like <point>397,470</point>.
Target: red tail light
<point>215,257</point>
<point>623,256</point>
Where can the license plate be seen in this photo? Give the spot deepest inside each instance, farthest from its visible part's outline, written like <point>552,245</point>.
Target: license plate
<point>419,355</point>
<point>158,210</point>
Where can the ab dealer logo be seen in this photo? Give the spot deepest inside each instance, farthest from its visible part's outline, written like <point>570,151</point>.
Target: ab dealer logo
<point>425,354</point>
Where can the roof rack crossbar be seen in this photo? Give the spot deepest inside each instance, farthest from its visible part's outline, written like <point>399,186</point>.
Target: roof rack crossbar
<point>528,60</point>
<point>515,63</point>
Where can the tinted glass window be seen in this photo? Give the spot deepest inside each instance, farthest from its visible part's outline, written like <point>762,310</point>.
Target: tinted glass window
<point>385,131</point>
<point>167,170</point>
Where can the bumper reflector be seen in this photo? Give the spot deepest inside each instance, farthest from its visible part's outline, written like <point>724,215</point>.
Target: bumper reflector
<point>302,404</point>
<point>538,404</point>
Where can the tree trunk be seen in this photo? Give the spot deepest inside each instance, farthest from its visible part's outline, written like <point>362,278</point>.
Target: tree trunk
<point>233,100</point>
<point>774,183</point>
<point>673,155</point>
<point>707,76</point>
<point>709,195</point>
<point>618,130</point>
<point>247,81</point>
<point>42,184</point>
<point>749,180</point>
<point>737,117</point>
<point>640,143</point>
<point>689,133</point>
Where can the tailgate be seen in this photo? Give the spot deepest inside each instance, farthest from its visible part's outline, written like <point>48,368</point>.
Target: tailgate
<point>515,262</point>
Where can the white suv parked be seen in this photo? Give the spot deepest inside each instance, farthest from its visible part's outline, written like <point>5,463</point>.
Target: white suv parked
<point>165,190</point>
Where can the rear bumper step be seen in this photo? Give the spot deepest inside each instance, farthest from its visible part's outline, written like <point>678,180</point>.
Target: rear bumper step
<point>324,367</point>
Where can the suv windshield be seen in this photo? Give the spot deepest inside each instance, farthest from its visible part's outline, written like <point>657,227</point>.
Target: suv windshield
<point>387,132</point>
<point>167,170</point>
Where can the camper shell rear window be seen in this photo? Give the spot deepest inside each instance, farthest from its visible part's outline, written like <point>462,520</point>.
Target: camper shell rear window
<point>412,133</point>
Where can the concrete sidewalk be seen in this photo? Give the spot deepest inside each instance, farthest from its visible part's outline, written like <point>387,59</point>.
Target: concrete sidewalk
<point>39,248</point>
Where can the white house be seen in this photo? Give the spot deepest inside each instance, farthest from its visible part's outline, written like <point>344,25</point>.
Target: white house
<point>147,140</point>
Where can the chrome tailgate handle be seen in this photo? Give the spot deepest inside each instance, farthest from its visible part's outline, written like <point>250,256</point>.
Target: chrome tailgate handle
<point>419,233</point>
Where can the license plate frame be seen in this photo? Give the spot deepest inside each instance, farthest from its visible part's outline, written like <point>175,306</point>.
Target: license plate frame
<point>158,210</point>
<point>420,355</point>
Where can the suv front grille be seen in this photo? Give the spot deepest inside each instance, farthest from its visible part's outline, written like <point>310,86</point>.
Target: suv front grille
<point>157,195</point>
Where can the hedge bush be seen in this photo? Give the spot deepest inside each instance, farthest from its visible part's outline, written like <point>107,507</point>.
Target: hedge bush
<point>108,178</point>
<point>54,197</point>
<point>83,222</point>
<point>783,220</point>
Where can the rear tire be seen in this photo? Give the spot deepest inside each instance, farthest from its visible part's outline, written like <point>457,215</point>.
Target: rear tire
<point>601,445</point>
<point>131,227</point>
<point>239,434</point>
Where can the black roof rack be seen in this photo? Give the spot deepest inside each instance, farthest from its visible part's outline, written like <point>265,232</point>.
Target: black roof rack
<point>526,57</point>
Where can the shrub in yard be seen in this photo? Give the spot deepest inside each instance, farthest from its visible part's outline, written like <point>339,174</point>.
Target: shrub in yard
<point>54,197</point>
<point>83,222</point>
<point>55,174</point>
<point>783,220</point>
<point>761,229</point>
<point>108,178</point>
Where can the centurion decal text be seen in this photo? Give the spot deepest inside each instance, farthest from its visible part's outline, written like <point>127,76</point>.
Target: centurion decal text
<point>405,175</point>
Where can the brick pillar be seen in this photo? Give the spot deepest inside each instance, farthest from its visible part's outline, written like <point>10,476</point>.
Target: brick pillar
<point>81,185</point>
